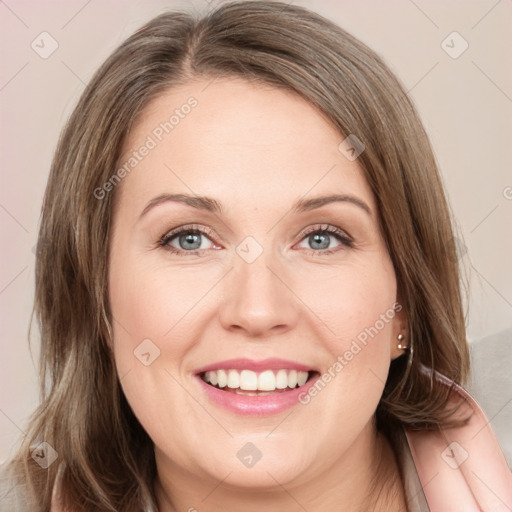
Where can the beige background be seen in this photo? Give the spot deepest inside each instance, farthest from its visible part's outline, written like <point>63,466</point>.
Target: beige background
<point>466,104</point>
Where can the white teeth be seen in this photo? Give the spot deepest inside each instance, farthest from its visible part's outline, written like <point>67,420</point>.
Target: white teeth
<point>233,379</point>
<point>247,380</point>
<point>281,379</point>
<point>292,378</point>
<point>267,381</point>
<point>302,377</point>
<point>214,379</point>
<point>222,378</point>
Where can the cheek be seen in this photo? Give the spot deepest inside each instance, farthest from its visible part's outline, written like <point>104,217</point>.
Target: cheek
<point>153,331</point>
<point>158,319</point>
<point>353,302</point>
<point>151,301</point>
<point>356,308</point>
<point>145,310</point>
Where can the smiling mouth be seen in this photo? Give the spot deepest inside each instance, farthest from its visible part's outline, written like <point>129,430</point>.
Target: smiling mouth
<point>250,383</point>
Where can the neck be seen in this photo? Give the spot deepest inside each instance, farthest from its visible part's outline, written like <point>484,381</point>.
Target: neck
<point>365,478</point>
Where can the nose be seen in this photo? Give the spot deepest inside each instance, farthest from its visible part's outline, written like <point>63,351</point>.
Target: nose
<point>258,301</point>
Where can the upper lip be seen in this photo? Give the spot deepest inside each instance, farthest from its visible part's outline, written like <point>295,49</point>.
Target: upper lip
<point>256,366</point>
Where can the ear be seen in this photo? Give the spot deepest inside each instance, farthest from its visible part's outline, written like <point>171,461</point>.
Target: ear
<point>400,327</point>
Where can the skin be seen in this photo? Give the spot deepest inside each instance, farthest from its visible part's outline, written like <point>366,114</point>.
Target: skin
<point>256,150</point>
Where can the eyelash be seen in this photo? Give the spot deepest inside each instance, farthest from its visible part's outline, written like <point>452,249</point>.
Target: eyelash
<point>339,234</point>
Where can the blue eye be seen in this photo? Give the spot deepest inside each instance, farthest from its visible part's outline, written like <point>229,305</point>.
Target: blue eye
<point>188,240</point>
<point>318,238</point>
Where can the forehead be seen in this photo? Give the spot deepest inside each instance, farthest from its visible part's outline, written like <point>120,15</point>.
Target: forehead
<point>237,141</point>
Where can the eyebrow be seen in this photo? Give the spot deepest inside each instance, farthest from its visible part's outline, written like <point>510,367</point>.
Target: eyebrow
<point>214,206</point>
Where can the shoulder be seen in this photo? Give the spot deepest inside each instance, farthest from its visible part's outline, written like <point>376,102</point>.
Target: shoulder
<point>462,468</point>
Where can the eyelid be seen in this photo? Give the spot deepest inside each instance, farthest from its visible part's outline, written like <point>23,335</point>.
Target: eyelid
<point>325,228</point>
<point>188,227</point>
<point>340,234</point>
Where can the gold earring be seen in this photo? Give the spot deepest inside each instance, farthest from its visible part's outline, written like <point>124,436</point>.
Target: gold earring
<point>400,346</point>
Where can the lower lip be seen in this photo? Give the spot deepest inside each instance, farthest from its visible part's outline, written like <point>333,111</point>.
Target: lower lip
<point>256,405</point>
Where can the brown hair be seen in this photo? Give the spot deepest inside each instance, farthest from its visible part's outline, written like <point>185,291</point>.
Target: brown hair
<point>84,416</point>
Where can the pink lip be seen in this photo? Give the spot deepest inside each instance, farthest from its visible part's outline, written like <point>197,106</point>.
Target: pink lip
<point>246,405</point>
<point>255,366</point>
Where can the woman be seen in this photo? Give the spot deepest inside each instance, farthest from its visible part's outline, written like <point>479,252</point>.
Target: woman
<point>306,350</point>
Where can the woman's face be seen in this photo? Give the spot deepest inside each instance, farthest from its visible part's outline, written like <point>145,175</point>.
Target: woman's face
<point>249,275</point>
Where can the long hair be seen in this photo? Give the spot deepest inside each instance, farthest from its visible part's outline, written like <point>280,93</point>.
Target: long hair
<point>105,457</point>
